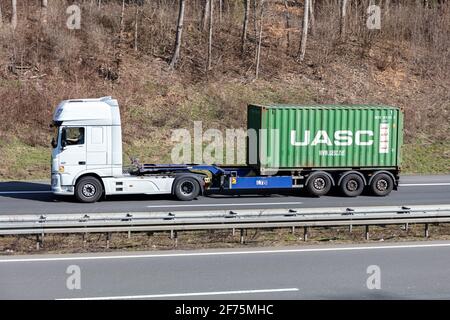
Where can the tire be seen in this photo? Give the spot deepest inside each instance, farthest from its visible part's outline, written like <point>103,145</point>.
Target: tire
<point>382,184</point>
<point>186,189</point>
<point>88,190</point>
<point>319,184</point>
<point>352,185</point>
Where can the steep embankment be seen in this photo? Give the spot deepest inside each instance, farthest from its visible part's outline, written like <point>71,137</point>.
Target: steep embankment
<point>406,64</point>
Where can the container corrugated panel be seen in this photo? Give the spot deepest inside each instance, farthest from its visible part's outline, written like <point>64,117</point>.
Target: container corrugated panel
<point>326,136</point>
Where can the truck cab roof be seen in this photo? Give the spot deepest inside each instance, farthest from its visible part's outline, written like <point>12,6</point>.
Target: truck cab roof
<point>101,111</point>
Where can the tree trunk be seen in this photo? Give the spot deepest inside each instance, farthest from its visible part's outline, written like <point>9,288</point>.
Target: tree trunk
<point>387,6</point>
<point>136,30</point>
<point>14,14</point>
<point>1,15</point>
<point>176,53</point>
<point>312,18</point>
<point>258,51</point>
<point>255,20</point>
<point>288,26</point>
<point>211,8</point>
<point>44,6</point>
<point>343,20</point>
<point>205,14</point>
<point>302,50</point>
<point>122,15</point>
<point>220,10</point>
<point>245,25</point>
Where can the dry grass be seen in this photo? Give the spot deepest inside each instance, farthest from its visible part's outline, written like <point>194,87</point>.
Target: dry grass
<point>406,63</point>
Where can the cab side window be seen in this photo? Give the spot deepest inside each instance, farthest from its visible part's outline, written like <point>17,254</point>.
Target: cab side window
<point>73,136</point>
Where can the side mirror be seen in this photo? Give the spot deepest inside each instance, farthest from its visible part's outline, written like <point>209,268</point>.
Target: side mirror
<point>54,144</point>
<point>63,144</point>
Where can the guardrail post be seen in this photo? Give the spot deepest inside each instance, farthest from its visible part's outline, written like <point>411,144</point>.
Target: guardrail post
<point>407,227</point>
<point>38,242</point>
<point>129,234</point>
<point>293,230</point>
<point>108,239</point>
<point>350,228</point>
<point>305,233</point>
<point>233,232</point>
<point>171,234</point>
<point>175,236</point>
<point>427,233</point>
<point>367,232</point>
<point>84,239</point>
<point>242,236</point>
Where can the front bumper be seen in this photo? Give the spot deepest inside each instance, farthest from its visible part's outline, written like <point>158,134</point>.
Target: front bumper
<point>58,189</point>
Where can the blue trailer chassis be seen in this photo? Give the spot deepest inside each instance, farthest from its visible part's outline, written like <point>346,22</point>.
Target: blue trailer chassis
<point>231,178</point>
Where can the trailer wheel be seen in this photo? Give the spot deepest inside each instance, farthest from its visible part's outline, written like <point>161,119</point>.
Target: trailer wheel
<point>352,185</point>
<point>319,184</point>
<point>88,190</point>
<point>186,189</point>
<point>381,185</point>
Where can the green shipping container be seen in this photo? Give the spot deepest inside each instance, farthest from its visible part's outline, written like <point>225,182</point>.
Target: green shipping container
<point>324,136</point>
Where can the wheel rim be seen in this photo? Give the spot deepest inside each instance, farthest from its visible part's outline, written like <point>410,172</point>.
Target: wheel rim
<point>89,190</point>
<point>319,184</point>
<point>382,185</point>
<point>187,188</point>
<point>352,185</point>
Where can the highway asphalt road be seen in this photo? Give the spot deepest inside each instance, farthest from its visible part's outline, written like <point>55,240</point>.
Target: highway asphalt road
<point>417,270</point>
<point>35,198</point>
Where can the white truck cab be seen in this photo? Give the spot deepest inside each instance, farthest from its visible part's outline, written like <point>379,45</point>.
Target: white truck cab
<point>87,156</point>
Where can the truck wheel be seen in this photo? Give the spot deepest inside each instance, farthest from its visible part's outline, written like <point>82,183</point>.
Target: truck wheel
<point>186,189</point>
<point>319,184</point>
<point>381,185</point>
<point>88,190</point>
<point>352,185</point>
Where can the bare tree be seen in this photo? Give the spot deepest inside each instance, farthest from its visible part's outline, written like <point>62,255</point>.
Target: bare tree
<point>255,19</point>
<point>14,14</point>
<point>386,6</point>
<point>288,26</point>
<point>302,49</point>
<point>122,17</point>
<point>1,15</point>
<point>343,18</point>
<point>245,25</point>
<point>258,51</point>
<point>44,6</point>
<point>205,14</point>
<point>176,53</point>
<point>211,9</point>
<point>220,10</point>
<point>312,18</point>
<point>136,26</point>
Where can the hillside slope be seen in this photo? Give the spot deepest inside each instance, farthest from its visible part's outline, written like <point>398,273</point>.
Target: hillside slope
<point>406,64</point>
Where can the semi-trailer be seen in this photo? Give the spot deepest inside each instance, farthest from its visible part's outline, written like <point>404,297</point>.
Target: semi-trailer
<point>317,147</point>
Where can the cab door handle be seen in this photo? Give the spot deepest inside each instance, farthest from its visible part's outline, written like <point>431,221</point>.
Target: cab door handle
<point>82,163</point>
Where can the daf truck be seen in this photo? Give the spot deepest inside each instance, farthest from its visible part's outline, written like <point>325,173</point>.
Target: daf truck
<point>349,147</point>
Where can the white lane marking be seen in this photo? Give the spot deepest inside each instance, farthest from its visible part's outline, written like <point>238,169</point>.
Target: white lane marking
<point>424,184</point>
<point>223,204</point>
<point>227,253</point>
<point>23,192</point>
<point>188,294</point>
